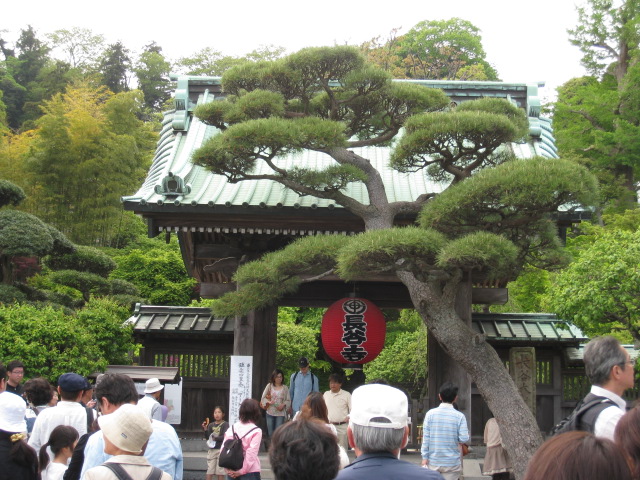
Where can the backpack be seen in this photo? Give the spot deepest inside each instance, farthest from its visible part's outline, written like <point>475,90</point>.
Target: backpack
<point>121,474</point>
<point>584,415</point>
<point>232,451</point>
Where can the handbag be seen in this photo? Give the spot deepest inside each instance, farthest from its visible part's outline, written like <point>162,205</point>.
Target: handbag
<point>268,397</point>
<point>465,449</point>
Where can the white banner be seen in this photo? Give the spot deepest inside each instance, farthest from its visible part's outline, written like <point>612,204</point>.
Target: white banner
<point>240,384</point>
<point>173,401</point>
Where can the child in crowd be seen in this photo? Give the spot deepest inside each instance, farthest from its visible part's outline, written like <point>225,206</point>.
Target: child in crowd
<point>62,441</point>
<point>214,433</point>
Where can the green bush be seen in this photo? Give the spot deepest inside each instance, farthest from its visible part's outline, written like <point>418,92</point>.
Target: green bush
<point>85,259</point>
<point>10,294</point>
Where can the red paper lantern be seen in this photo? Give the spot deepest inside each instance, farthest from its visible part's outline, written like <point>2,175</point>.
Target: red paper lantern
<point>353,331</point>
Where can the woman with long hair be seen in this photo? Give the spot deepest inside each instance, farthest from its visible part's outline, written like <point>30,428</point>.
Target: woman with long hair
<point>62,441</point>
<point>276,401</point>
<point>247,429</point>
<point>315,408</point>
<point>18,461</point>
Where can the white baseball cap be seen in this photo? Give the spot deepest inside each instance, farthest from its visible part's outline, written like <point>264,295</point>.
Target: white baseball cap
<point>128,428</point>
<point>380,406</point>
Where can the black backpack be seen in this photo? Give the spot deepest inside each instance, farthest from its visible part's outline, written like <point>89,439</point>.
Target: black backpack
<point>584,416</point>
<point>232,453</point>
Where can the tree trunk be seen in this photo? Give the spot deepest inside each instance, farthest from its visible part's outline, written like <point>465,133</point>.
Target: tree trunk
<point>436,306</point>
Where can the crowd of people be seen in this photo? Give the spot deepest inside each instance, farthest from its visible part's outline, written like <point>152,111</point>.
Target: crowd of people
<point>77,431</point>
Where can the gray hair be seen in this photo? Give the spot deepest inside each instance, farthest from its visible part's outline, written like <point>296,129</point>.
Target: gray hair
<point>375,439</point>
<point>600,355</point>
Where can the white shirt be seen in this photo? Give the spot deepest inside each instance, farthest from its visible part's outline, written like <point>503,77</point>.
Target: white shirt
<point>54,471</point>
<point>606,422</point>
<point>65,413</point>
<point>151,407</point>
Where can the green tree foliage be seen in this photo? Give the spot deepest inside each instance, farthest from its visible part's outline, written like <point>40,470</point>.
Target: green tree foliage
<point>52,342</point>
<point>22,234</point>
<point>85,259</point>
<point>91,149</point>
<point>438,49</point>
<point>490,220</point>
<point>294,340</point>
<point>214,63</point>
<point>152,71</point>
<point>80,46</point>
<point>157,271</point>
<point>600,291</point>
<point>10,194</point>
<point>404,358</point>
<point>597,118</point>
<point>115,67</point>
<point>433,50</point>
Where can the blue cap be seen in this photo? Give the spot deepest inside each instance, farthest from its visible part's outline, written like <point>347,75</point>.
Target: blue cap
<point>72,382</point>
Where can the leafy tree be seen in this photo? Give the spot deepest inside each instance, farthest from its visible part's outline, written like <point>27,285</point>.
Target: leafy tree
<point>600,291</point>
<point>115,67</point>
<point>213,63</point>
<point>157,271</point>
<point>91,149</point>
<point>10,194</point>
<point>22,234</point>
<point>294,341</point>
<point>84,259</point>
<point>490,220</point>
<point>32,57</point>
<point>404,358</point>
<point>80,45</point>
<point>152,71</point>
<point>597,118</point>
<point>385,53</point>
<point>440,49</point>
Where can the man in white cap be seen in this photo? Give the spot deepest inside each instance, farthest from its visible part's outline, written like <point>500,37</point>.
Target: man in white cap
<point>378,431</point>
<point>126,433</point>
<point>149,403</point>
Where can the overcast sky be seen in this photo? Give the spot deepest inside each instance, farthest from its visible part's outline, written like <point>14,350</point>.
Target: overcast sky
<point>525,41</point>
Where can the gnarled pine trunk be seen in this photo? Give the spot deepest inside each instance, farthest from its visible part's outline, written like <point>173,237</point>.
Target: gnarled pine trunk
<point>435,302</point>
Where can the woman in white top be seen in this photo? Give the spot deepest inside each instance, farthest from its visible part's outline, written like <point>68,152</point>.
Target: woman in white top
<point>276,401</point>
<point>62,441</point>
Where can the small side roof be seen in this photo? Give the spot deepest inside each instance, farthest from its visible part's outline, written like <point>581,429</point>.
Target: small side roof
<point>530,327</point>
<point>142,374</point>
<point>154,319</point>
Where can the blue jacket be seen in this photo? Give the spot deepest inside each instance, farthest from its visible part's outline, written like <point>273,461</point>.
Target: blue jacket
<point>300,386</point>
<point>385,466</point>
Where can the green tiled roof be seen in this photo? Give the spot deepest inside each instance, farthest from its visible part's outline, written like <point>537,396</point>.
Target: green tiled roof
<point>537,327</point>
<point>182,134</point>
<point>156,319</point>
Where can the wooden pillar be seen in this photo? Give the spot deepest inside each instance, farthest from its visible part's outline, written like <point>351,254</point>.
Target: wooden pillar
<point>442,368</point>
<point>255,335</point>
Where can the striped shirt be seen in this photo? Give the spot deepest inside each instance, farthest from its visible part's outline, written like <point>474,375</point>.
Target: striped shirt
<point>444,428</point>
